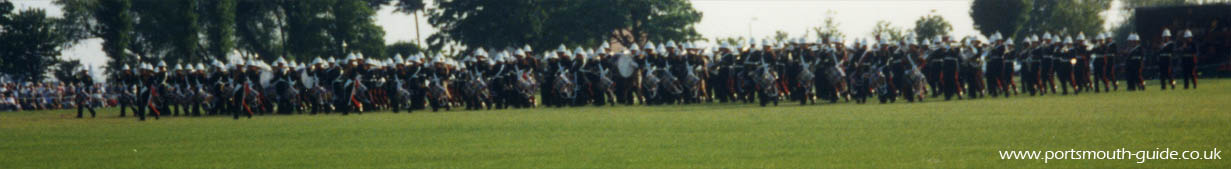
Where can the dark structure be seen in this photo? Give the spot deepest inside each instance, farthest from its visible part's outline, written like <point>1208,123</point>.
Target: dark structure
<point>1211,25</point>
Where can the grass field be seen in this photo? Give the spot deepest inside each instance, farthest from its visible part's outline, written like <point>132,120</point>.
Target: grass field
<point>934,134</point>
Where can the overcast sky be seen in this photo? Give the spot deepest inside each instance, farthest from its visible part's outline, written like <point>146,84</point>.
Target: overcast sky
<point>722,18</point>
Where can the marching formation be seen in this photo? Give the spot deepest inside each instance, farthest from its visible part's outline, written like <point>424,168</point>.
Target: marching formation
<point>764,72</point>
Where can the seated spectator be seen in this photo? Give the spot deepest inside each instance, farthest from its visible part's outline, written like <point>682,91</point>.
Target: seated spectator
<point>8,103</point>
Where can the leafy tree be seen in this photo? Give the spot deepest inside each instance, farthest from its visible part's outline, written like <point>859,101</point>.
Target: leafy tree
<point>64,70</point>
<point>353,26</point>
<point>110,20</point>
<point>931,25</point>
<point>194,31</point>
<point>828,28</point>
<point>258,28</point>
<point>305,34</point>
<point>729,40</point>
<point>31,45</point>
<point>780,35</point>
<point>1067,16</point>
<point>1028,17</point>
<point>164,31</point>
<point>403,48</point>
<point>412,7</point>
<point>187,25</point>
<point>654,20</point>
<point>219,25</point>
<point>1004,16</point>
<point>546,24</point>
<point>5,7</point>
<point>886,30</point>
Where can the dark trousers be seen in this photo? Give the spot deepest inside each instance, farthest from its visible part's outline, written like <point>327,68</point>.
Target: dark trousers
<point>84,105</point>
<point>1133,71</point>
<point>1189,71</point>
<point>994,81</point>
<point>949,79</point>
<point>1165,77</point>
<point>240,108</point>
<point>1006,78</point>
<point>140,106</point>
<point>1030,77</point>
<point>396,102</point>
<point>1064,71</point>
<point>1048,74</point>
<point>143,106</point>
<point>123,108</point>
<point>1104,72</point>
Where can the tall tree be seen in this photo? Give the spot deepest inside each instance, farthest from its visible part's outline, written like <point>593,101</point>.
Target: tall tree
<point>258,27</point>
<point>885,30</point>
<point>477,23</point>
<point>32,43</point>
<point>931,25</point>
<point>729,40</point>
<point>110,20</point>
<point>546,24</point>
<point>64,70</point>
<point>219,24</point>
<point>353,25</point>
<point>306,29</point>
<point>780,35</point>
<point>828,28</point>
<point>195,31</point>
<point>1028,17</point>
<point>402,48</point>
<point>5,7</point>
<point>166,31</point>
<point>412,7</point>
<point>655,20</point>
<point>187,26</point>
<point>1004,16</point>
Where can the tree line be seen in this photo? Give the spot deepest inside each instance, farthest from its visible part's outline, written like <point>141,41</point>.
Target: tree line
<point>190,31</point>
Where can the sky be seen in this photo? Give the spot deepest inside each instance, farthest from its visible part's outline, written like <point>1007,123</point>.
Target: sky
<point>721,18</point>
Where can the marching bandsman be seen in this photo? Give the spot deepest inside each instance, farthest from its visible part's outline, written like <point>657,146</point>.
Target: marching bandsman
<point>398,78</point>
<point>84,85</point>
<point>1030,65</point>
<point>219,83</point>
<point>282,83</point>
<point>995,63</point>
<point>1007,68</point>
<point>972,69</point>
<point>949,70</point>
<point>176,82</point>
<point>148,94</point>
<point>1064,67</point>
<point>1135,63</point>
<point>1081,68</point>
<point>1188,53</point>
<point>931,66</point>
<point>1047,63</point>
<point>1164,58</point>
<point>418,77</point>
<point>126,82</point>
<point>1105,52</point>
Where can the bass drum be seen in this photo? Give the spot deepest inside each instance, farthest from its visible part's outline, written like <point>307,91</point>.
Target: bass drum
<point>307,81</point>
<point>626,65</point>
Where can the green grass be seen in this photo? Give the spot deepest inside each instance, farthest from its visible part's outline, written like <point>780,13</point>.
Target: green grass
<point>934,134</point>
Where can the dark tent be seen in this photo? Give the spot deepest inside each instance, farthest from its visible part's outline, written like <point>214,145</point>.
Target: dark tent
<point>1209,24</point>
